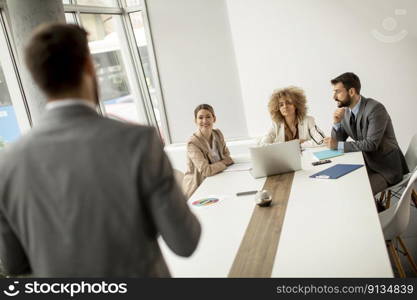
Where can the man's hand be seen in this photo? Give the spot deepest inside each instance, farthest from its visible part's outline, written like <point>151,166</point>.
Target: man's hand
<point>338,115</point>
<point>331,143</point>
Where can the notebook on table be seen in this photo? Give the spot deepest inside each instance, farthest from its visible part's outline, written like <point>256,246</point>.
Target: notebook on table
<point>327,154</point>
<point>336,171</point>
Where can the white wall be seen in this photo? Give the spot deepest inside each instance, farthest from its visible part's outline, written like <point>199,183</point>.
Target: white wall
<point>196,64</point>
<point>308,42</point>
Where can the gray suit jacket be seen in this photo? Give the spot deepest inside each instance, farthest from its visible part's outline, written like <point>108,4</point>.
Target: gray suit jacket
<point>376,139</point>
<point>84,195</point>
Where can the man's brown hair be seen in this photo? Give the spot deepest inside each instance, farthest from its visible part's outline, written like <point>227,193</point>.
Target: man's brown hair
<point>349,80</point>
<point>56,55</point>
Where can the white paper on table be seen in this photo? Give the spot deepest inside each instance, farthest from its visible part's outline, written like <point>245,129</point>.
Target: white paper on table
<point>239,167</point>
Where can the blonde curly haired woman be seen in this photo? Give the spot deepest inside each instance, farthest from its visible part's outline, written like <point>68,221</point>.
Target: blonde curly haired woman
<point>288,110</point>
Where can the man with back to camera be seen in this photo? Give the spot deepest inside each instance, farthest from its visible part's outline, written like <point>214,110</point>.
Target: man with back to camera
<point>84,195</point>
<point>368,123</point>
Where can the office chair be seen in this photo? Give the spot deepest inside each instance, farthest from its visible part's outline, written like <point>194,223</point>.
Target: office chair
<point>395,190</point>
<point>394,222</point>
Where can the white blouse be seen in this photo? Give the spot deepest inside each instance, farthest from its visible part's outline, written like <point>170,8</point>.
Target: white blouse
<point>306,128</point>
<point>214,151</point>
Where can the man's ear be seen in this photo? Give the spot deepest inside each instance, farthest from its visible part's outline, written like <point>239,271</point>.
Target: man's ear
<point>89,66</point>
<point>352,92</point>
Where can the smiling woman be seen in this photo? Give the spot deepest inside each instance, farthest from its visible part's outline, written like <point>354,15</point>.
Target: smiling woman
<point>207,153</point>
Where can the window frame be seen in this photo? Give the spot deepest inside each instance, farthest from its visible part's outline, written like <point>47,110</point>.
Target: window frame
<point>133,82</point>
<point>140,86</point>
<point>11,74</point>
<point>154,66</point>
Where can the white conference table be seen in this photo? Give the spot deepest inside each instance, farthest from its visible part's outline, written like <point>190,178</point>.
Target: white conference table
<point>331,227</point>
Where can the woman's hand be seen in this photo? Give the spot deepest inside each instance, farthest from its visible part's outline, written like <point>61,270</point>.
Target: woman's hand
<point>227,161</point>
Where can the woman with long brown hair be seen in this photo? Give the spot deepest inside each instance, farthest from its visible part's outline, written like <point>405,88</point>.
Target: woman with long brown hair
<point>207,153</point>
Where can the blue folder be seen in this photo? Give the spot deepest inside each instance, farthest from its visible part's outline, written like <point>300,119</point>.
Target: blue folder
<point>336,171</point>
<point>327,154</point>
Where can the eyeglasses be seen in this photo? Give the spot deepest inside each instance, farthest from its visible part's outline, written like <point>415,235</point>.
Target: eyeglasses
<point>321,141</point>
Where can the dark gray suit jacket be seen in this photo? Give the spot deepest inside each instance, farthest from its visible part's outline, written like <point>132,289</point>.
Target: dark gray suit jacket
<point>376,139</point>
<point>84,195</point>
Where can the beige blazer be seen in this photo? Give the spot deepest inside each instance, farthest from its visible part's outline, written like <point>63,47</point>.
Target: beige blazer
<point>306,128</point>
<point>200,162</point>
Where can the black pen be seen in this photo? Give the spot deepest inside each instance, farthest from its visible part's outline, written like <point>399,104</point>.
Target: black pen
<point>246,193</point>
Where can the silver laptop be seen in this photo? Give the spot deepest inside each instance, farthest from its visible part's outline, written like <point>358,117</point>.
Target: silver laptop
<point>275,158</point>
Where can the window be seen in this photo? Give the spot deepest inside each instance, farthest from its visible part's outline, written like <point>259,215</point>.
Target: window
<point>143,47</point>
<point>13,115</point>
<point>112,59</point>
<point>129,89</point>
<point>9,128</point>
<point>109,3</point>
<point>133,2</point>
<point>126,70</point>
<point>70,18</point>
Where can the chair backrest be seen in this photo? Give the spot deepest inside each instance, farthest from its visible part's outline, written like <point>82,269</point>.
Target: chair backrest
<point>401,216</point>
<point>411,154</point>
